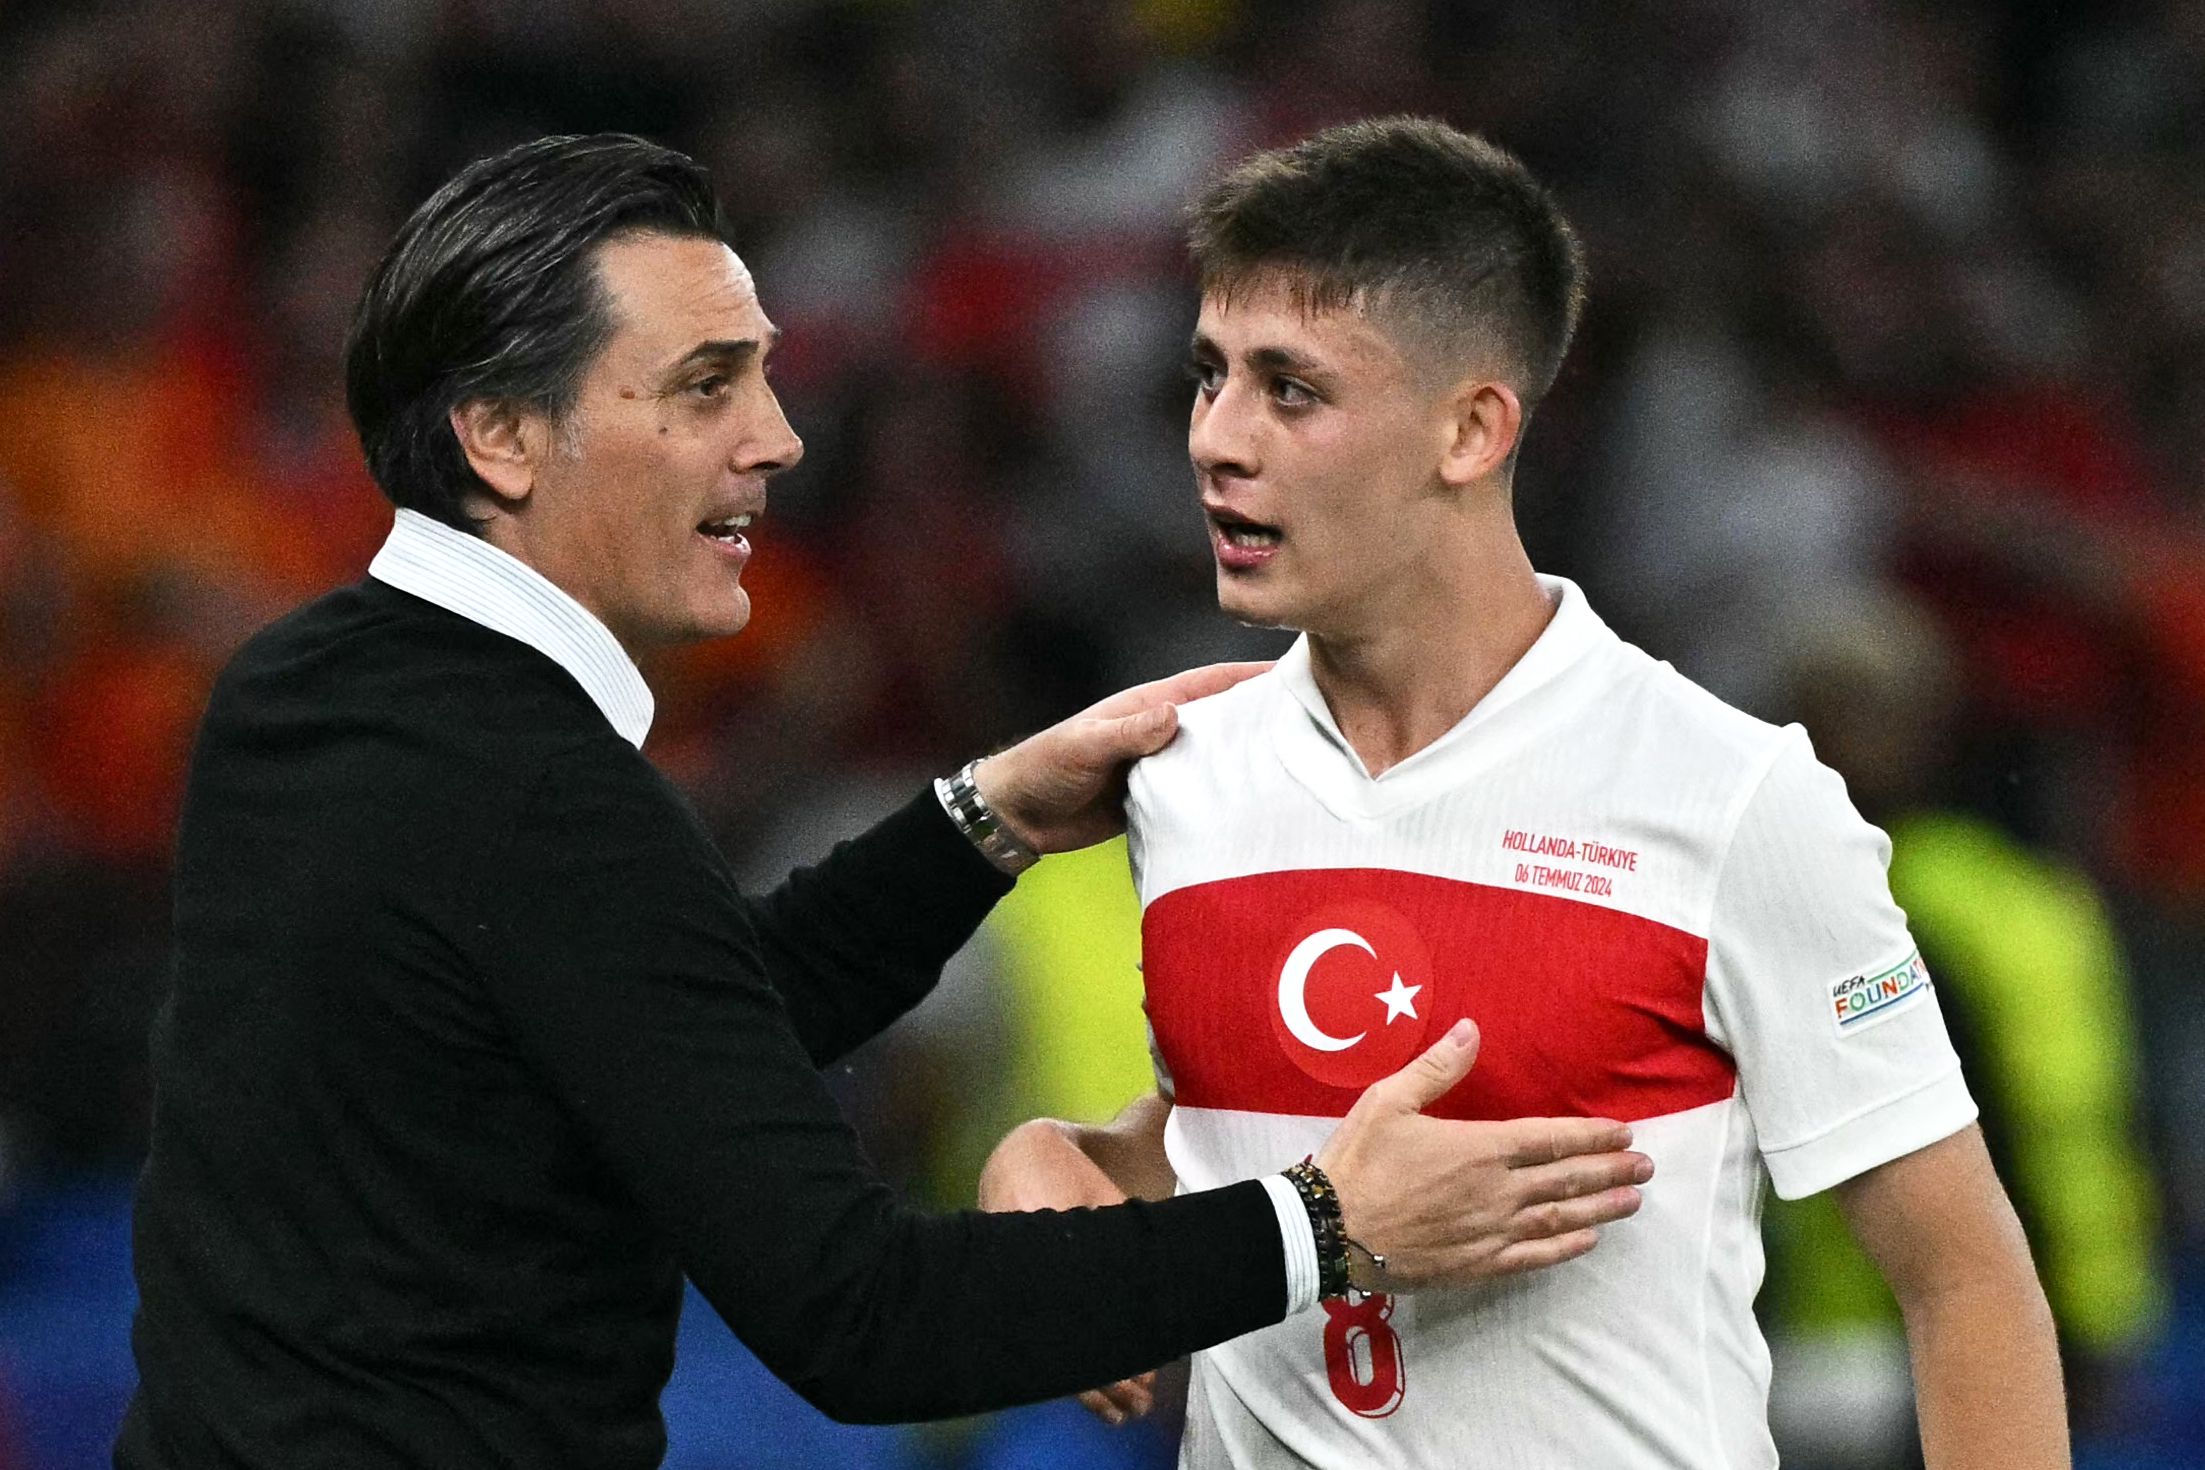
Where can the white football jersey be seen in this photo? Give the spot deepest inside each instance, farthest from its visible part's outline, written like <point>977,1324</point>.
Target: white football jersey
<point>1656,908</point>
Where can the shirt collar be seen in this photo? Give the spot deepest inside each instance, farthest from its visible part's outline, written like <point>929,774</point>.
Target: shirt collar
<point>466,575</point>
<point>1573,630</point>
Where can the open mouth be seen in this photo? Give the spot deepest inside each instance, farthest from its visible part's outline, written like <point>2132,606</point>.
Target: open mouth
<point>728,528</point>
<point>1241,540</point>
<point>1249,536</point>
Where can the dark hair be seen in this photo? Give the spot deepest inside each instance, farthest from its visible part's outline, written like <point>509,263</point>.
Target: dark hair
<point>490,291</point>
<point>1405,216</point>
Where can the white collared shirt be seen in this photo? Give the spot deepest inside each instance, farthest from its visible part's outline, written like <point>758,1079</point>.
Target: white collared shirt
<point>467,575</point>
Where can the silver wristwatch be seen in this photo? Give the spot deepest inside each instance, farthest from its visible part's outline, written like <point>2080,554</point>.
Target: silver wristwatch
<point>960,797</point>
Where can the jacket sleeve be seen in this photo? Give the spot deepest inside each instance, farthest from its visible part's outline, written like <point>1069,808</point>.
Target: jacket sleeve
<point>860,938</point>
<point>624,963</point>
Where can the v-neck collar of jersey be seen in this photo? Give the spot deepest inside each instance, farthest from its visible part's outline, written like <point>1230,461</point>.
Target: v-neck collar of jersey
<point>1318,756</point>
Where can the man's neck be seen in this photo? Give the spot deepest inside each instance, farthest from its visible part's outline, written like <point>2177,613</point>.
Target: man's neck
<point>1412,677</point>
<point>517,537</point>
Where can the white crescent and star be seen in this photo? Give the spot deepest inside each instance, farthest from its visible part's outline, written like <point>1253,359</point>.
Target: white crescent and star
<point>1400,999</point>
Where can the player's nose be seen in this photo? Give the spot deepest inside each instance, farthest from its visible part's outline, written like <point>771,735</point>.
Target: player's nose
<point>1217,437</point>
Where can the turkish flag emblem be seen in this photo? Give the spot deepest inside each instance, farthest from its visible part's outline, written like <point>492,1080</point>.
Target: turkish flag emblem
<point>1354,995</point>
<point>1587,1011</point>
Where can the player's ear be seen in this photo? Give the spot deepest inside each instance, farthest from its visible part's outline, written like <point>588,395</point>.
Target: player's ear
<point>504,443</point>
<point>1485,419</point>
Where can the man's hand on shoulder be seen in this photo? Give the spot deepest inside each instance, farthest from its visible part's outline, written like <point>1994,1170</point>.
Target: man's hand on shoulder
<point>1065,787</point>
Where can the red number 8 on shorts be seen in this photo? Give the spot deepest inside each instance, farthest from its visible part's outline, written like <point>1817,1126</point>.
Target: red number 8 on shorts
<point>1363,1355</point>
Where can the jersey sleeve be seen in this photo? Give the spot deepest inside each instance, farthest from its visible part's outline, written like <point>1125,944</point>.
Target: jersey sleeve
<point>1817,990</point>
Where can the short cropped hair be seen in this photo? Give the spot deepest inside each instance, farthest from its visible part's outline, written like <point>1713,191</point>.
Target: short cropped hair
<point>1434,229</point>
<point>491,292</point>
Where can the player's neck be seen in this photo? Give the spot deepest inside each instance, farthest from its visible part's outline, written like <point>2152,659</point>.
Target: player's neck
<point>1412,675</point>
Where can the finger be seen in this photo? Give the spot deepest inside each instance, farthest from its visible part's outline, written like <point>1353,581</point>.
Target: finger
<point>1097,745</point>
<point>1583,1174</point>
<point>1210,679</point>
<point>1568,1216</point>
<point>1143,734</point>
<point>1102,1408</point>
<point>1429,1075</point>
<point>1537,1255</point>
<point>1543,1140</point>
<point>1134,1396</point>
<point>1129,1398</point>
<point>1178,689</point>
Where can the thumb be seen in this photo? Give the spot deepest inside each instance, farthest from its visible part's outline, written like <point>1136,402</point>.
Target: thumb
<point>1136,735</point>
<point>1433,1073</point>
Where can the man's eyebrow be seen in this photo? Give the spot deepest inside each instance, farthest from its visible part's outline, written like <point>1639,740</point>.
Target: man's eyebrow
<point>1268,359</point>
<point>727,350</point>
<point>1283,360</point>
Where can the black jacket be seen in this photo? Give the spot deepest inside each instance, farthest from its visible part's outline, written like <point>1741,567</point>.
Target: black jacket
<point>474,1051</point>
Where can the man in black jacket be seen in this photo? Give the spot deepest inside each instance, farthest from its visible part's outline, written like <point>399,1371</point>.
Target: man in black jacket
<point>474,1050</point>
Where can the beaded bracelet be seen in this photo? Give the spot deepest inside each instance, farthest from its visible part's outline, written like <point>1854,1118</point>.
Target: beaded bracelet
<point>1323,1203</point>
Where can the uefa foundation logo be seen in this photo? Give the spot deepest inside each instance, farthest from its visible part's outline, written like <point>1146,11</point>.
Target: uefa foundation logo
<point>1354,994</point>
<point>1860,1001</point>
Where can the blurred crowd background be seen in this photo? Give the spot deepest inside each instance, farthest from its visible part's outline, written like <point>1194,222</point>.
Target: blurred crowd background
<point>1888,415</point>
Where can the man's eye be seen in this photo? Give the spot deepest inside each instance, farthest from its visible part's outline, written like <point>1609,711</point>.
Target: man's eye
<point>1207,376</point>
<point>711,387</point>
<point>1291,394</point>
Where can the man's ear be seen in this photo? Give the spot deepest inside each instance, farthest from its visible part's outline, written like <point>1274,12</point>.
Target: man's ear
<point>1485,421</point>
<point>504,444</point>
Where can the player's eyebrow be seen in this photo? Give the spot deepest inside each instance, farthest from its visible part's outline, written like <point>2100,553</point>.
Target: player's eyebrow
<point>1283,360</point>
<point>1264,359</point>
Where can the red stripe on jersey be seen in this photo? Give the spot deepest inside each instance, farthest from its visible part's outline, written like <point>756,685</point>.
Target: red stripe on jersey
<point>1290,992</point>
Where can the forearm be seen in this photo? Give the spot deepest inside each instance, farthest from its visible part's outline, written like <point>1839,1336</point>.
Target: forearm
<point>618,962</point>
<point>959,1314</point>
<point>1129,1149</point>
<point>1987,1380</point>
<point>855,941</point>
<point>1052,1165</point>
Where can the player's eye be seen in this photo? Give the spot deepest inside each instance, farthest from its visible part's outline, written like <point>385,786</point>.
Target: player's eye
<point>710,387</point>
<point>1292,393</point>
<point>1206,376</point>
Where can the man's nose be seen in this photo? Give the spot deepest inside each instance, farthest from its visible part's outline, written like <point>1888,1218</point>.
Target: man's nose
<point>772,446</point>
<point>1217,435</point>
